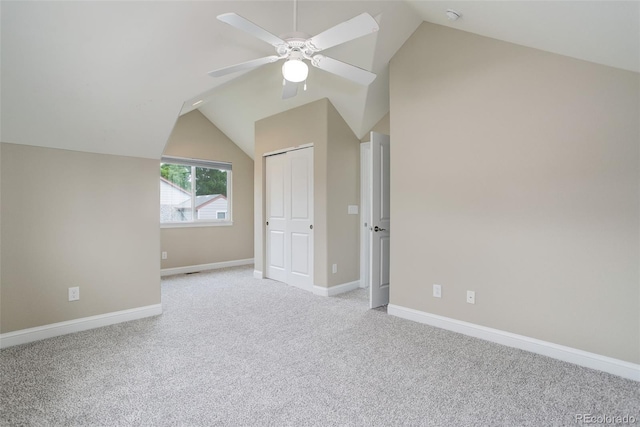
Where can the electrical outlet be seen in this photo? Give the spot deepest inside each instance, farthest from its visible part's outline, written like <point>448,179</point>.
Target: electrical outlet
<point>74,293</point>
<point>471,297</point>
<point>334,268</point>
<point>437,291</point>
<point>164,254</point>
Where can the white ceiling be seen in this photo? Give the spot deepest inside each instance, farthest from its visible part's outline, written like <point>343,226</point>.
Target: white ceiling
<point>112,77</point>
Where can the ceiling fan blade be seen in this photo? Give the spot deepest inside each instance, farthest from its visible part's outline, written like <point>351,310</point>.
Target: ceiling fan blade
<point>254,63</point>
<point>359,26</point>
<point>247,26</point>
<point>342,69</point>
<point>289,90</point>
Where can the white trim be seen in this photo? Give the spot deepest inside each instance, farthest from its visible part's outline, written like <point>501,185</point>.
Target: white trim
<point>257,274</point>
<point>336,290</point>
<point>202,223</point>
<point>24,336</point>
<point>204,267</point>
<point>199,163</point>
<point>556,351</point>
<point>284,150</point>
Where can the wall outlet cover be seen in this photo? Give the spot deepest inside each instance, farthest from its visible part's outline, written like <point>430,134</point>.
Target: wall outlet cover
<point>437,291</point>
<point>471,297</point>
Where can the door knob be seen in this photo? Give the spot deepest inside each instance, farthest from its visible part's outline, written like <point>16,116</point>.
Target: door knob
<point>376,228</point>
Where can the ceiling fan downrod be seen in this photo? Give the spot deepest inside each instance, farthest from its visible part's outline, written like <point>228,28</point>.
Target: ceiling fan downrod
<point>295,16</point>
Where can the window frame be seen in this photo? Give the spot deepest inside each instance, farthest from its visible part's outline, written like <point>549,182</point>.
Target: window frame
<point>209,164</point>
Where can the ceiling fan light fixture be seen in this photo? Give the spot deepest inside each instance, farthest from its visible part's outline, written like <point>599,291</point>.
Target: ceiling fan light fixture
<point>295,70</point>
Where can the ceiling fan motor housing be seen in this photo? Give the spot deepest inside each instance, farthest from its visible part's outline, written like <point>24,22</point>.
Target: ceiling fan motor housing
<point>293,45</point>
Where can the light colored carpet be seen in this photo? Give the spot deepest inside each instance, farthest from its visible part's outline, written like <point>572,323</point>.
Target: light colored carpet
<point>235,351</point>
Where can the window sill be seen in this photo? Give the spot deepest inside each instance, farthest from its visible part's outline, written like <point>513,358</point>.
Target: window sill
<point>196,224</point>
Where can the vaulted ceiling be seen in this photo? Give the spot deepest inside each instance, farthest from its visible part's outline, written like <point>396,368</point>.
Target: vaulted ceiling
<point>113,77</point>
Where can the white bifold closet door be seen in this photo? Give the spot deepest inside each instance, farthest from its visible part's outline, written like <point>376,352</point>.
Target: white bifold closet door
<point>289,205</point>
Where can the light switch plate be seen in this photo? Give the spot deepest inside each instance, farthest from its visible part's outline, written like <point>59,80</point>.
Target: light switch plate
<point>353,210</point>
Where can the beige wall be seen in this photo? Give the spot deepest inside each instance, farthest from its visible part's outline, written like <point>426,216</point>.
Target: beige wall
<point>383,126</point>
<point>343,189</point>
<point>76,219</point>
<point>515,173</point>
<point>335,185</point>
<point>194,136</point>
<point>0,237</point>
<point>303,125</point>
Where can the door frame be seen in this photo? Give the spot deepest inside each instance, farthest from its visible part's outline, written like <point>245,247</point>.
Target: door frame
<point>284,150</point>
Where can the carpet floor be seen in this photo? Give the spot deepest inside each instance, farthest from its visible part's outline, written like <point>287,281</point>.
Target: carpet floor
<point>231,350</point>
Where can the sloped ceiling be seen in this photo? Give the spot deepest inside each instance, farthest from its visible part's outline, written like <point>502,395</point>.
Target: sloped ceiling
<point>257,94</point>
<point>112,77</point>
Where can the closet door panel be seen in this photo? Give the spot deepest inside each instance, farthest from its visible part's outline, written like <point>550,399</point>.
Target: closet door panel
<point>289,203</point>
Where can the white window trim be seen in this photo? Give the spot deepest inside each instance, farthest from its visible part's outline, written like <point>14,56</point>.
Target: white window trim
<point>202,223</point>
<point>210,164</point>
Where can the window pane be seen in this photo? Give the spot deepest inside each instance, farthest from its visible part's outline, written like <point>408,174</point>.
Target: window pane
<point>191,191</point>
<point>175,193</point>
<point>211,193</point>
<point>211,181</point>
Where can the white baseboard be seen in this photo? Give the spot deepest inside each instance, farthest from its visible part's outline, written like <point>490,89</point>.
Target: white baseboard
<point>204,267</point>
<point>336,290</point>
<point>257,274</point>
<point>556,351</point>
<point>24,336</point>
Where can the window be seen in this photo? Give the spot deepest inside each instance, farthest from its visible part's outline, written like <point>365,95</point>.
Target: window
<point>194,191</point>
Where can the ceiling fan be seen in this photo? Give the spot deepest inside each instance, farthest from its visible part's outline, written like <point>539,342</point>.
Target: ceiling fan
<point>297,47</point>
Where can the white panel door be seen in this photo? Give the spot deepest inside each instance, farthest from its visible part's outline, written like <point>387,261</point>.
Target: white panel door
<point>380,220</point>
<point>300,217</point>
<point>276,219</point>
<point>289,201</point>
<point>365,214</point>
